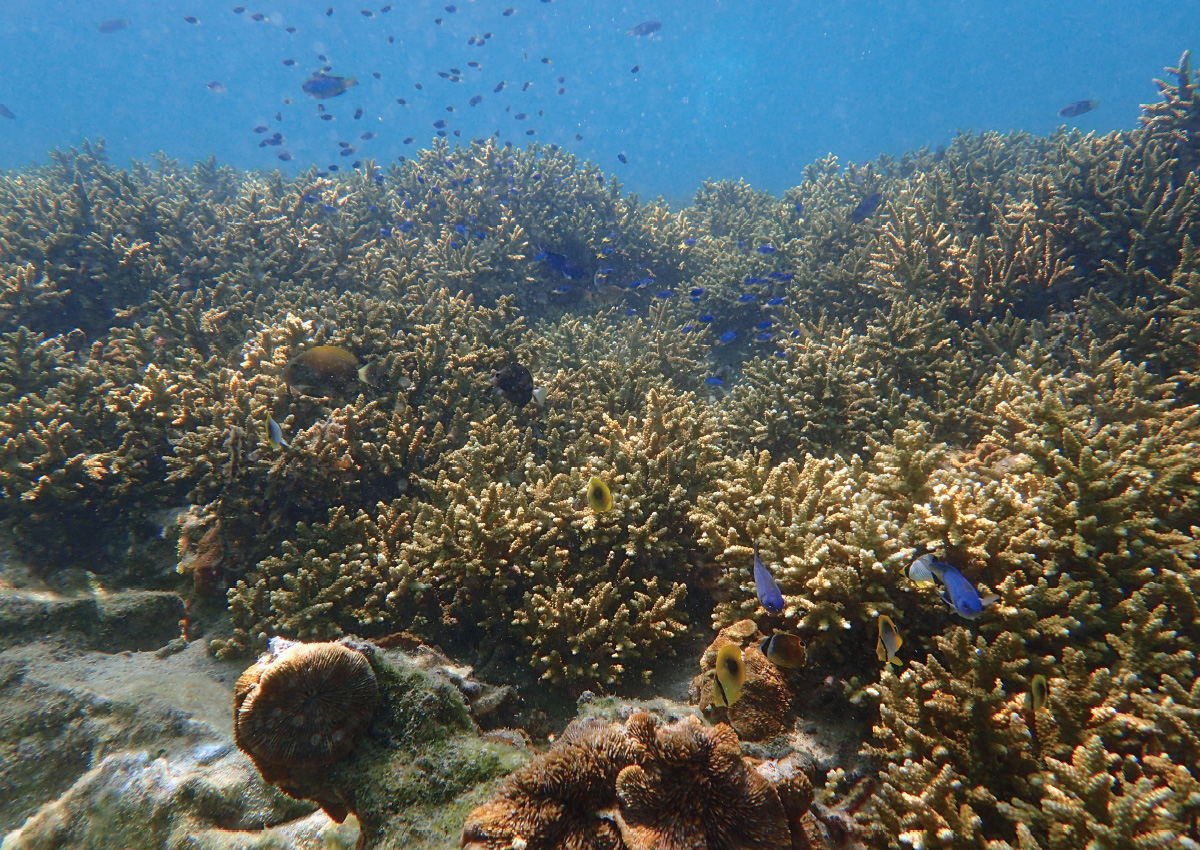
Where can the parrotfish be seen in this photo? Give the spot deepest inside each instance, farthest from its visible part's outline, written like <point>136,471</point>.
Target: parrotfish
<point>731,675</point>
<point>768,590</point>
<point>957,591</point>
<point>889,641</point>
<point>1074,110</point>
<point>322,86</point>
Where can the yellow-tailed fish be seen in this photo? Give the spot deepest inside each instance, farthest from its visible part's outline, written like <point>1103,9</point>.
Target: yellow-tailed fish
<point>599,497</point>
<point>784,650</point>
<point>731,675</point>
<point>1039,693</point>
<point>889,641</point>
<point>275,434</point>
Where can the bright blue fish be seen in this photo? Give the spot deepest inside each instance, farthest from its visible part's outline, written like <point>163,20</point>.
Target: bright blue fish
<point>699,290</point>
<point>666,293</point>
<point>768,590</point>
<point>714,381</point>
<point>957,591</point>
<point>689,242</point>
<point>762,326</point>
<point>749,296</point>
<point>560,264</point>
<point>775,302</point>
<point>707,318</point>
<point>767,249</point>
<point>766,335</point>
<point>728,336</point>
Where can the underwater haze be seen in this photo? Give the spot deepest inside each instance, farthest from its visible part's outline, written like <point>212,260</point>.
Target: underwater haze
<point>723,88</point>
<point>528,424</point>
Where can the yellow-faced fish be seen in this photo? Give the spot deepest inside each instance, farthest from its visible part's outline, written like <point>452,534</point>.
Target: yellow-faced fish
<point>731,675</point>
<point>599,496</point>
<point>889,641</point>
<point>784,650</point>
<point>1039,693</point>
<point>275,434</point>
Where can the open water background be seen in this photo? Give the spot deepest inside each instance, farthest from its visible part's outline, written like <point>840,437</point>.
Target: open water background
<point>726,89</point>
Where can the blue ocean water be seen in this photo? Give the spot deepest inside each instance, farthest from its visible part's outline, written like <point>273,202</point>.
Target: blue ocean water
<point>755,90</point>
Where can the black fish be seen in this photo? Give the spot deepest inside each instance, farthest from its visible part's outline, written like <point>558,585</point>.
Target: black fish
<point>1072,110</point>
<point>868,205</point>
<point>561,265</point>
<point>645,28</point>
<point>515,383</point>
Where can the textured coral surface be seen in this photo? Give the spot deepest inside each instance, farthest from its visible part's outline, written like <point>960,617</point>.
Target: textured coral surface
<point>998,367</point>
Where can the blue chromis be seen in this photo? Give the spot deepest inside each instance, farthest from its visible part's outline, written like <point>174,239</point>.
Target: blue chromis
<point>322,86</point>
<point>784,650</point>
<point>731,675</point>
<point>957,592</point>
<point>867,206</point>
<point>275,434</point>
<point>889,641</point>
<point>599,497</point>
<point>1039,693</point>
<point>768,590</point>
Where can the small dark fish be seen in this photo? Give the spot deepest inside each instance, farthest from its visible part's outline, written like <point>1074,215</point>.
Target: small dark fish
<point>515,383</point>
<point>560,264</point>
<point>476,100</point>
<point>451,9</point>
<point>237,10</point>
<point>217,87</point>
<point>329,12</point>
<point>347,152</point>
<point>635,69</point>
<point>289,62</point>
<point>261,128</point>
<point>192,19</point>
<point>526,86</point>
<point>867,206</point>
<point>285,156</point>
<point>747,298</point>
<point>545,60</point>
<point>499,87</point>
<point>367,136</point>
<point>6,112</point>
<point>289,29</point>
<point>1073,110</point>
<point>366,13</point>
<point>520,116</point>
<point>112,25</point>
<point>623,159</point>
<point>509,12</point>
<point>728,336</point>
<point>402,101</point>
<point>326,117</point>
<point>531,132</point>
<point>321,86</point>
<point>258,16</point>
<point>385,9</point>
<point>768,590</point>
<point>441,122</point>
<point>578,137</point>
<point>645,28</point>
<point>377,75</point>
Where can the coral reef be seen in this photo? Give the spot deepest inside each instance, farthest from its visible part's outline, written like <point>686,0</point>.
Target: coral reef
<point>997,366</point>
<point>640,786</point>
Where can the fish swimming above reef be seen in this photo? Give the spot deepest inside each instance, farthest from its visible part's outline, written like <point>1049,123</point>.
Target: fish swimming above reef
<point>768,590</point>
<point>275,434</point>
<point>957,592</point>
<point>866,207</point>
<point>560,264</point>
<point>515,383</point>
<point>784,650</point>
<point>324,368</point>
<point>731,675</point>
<point>321,85</point>
<point>645,28</point>
<point>1074,110</point>
<point>889,641</point>
<point>599,497</point>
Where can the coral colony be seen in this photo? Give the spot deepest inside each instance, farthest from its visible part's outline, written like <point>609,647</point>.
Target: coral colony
<point>985,354</point>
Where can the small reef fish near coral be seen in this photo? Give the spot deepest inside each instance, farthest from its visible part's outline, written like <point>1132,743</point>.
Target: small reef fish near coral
<point>533,427</point>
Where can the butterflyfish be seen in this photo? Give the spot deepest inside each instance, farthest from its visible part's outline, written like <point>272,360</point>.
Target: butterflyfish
<point>784,650</point>
<point>731,675</point>
<point>599,497</point>
<point>327,368</point>
<point>275,434</point>
<point>889,641</point>
<point>1039,693</point>
<point>957,591</point>
<point>515,383</point>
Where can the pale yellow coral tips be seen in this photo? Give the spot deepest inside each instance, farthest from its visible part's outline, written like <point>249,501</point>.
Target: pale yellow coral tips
<point>889,641</point>
<point>599,496</point>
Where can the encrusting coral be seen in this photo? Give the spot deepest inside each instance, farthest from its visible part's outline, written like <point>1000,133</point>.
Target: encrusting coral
<point>995,365</point>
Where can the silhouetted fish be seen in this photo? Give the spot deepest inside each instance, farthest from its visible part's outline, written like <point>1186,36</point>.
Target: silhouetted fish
<point>560,264</point>
<point>1072,110</point>
<point>867,206</point>
<point>645,28</point>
